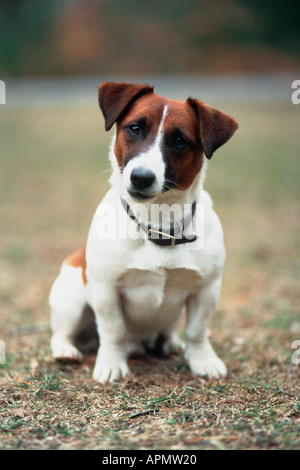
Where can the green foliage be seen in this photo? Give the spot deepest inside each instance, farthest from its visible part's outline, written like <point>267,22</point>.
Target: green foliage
<point>23,35</point>
<point>142,36</point>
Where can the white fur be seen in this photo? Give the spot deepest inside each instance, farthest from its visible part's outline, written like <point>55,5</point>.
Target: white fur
<point>138,289</point>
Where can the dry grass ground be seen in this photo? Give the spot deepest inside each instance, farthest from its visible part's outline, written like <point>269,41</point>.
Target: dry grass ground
<point>53,173</point>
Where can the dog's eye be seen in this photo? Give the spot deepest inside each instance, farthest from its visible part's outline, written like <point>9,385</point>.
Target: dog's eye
<point>180,142</point>
<point>134,130</point>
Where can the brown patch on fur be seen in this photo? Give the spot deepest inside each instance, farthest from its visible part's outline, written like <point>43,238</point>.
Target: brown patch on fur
<point>182,166</point>
<point>148,111</point>
<point>77,260</point>
<point>216,127</point>
<point>115,98</point>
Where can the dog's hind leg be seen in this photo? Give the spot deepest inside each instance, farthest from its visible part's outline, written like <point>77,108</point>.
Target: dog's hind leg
<point>67,302</point>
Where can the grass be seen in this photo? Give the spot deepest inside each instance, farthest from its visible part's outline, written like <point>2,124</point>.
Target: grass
<point>53,172</point>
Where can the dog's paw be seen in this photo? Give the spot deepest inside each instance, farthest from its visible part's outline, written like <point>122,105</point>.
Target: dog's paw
<point>110,368</point>
<point>110,373</point>
<point>206,363</point>
<point>64,351</point>
<point>212,368</point>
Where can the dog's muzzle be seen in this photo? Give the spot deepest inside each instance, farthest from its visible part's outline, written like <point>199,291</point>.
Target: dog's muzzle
<point>142,183</point>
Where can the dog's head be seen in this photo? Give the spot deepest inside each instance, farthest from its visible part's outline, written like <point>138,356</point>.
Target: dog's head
<point>160,143</point>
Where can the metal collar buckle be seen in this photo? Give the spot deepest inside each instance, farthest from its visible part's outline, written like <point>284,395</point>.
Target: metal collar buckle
<point>164,234</point>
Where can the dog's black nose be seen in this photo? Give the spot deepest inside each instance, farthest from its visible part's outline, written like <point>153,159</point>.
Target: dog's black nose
<point>142,178</point>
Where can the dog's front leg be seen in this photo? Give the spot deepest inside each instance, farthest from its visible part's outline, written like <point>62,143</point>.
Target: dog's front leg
<point>111,362</point>
<point>199,353</point>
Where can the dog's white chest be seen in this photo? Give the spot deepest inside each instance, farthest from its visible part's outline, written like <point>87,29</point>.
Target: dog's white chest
<point>155,298</point>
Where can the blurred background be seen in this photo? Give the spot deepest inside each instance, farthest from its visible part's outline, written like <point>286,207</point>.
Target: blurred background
<point>240,56</point>
<point>104,37</point>
<point>170,39</point>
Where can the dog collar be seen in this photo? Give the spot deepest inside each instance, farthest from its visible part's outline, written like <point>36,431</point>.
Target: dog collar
<point>161,238</point>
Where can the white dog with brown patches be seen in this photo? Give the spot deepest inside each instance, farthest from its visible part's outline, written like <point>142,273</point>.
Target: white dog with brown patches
<point>155,248</point>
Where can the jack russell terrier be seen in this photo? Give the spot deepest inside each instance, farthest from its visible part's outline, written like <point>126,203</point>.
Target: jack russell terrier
<point>155,249</point>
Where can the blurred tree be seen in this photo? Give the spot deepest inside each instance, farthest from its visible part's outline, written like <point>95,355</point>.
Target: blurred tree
<point>280,23</point>
<point>147,36</point>
<point>24,26</point>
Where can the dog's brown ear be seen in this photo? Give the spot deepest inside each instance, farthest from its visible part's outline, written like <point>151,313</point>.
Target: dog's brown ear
<point>216,127</point>
<point>115,98</point>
